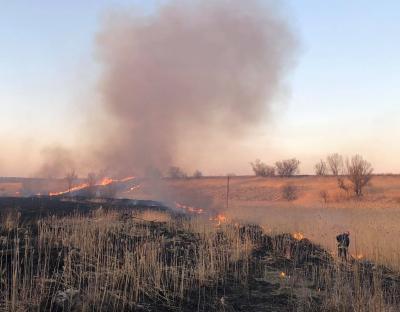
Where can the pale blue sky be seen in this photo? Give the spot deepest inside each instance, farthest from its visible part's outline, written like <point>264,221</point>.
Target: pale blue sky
<point>343,93</point>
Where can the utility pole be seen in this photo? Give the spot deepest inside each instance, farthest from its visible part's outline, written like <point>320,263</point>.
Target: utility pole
<point>227,193</point>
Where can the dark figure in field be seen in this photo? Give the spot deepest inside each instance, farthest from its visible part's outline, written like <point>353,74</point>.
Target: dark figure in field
<point>343,241</point>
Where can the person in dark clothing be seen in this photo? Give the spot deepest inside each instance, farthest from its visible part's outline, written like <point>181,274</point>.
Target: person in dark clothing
<point>343,241</point>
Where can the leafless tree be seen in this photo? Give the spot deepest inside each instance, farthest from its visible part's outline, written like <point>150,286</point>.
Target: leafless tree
<point>70,177</point>
<point>91,182</point>
<point>335,162</point>
<point>176,173</point>
<point>287,167</point>
<point>359,172</point>
<point>261,169</point>
<point>321,168</point>
<point>197,174</point>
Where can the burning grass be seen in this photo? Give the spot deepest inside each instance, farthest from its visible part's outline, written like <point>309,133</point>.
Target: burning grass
<point>106,181</point>
<point>158,261</point>
<point>372,220</point>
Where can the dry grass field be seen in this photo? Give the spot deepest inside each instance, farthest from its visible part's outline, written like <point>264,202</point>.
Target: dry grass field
<point>265,252</point>
<point>12,189</point>
<point>159,261</point>
<point>383,191</point>
<point>320,211</point>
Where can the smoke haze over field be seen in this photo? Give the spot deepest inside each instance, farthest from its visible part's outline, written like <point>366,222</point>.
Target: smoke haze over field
<point>187,74</point>
<point>198,84</point>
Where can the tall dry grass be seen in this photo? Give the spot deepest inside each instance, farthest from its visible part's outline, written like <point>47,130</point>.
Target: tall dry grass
<point>374,231</point>
<point>372,220</point>
<point>117,262</point>
<point>114,262</point>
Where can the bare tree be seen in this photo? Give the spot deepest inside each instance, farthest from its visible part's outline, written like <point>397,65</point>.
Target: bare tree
<point>70,177</point>
<point>335,162</point>
<point>197,174</point>
<point>359,172</point>
<point>261,169</point>
<point>91,182</point>
<point>321,168</point>
<point>287,167</point>
<point>176,173</point>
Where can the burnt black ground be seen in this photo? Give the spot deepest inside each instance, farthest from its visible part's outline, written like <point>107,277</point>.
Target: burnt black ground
<point>280,269</point>
<point>33,208</point>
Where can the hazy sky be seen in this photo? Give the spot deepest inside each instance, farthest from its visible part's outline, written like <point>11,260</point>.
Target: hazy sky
<point>343,95</point>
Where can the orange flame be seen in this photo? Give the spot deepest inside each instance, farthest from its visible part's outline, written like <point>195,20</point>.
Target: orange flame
<point>298,236</point>
<point>220,218</point>
<point>190,209</point>
<point>358,256</point>
<point>73,189</point>
<point>104,182</point>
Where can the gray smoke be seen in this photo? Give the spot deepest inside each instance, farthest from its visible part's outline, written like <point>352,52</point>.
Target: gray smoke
<point>56,162</point>
<point>200,68</point>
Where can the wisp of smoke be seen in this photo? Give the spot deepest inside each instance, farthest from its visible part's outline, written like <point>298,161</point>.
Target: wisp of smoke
<point>191,67</point>
<point>56,161</point>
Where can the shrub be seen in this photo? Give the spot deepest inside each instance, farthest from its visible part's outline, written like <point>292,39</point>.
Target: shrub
<point>176,173</point>
<point>287,167</point>
<point>197,174</point>
<point>261,169</point>
<point>289,192</point>
<point>321,168</point>
<point>359,172</point>
<point>335,162</point>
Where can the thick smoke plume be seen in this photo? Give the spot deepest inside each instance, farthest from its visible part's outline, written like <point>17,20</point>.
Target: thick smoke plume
<point>198,68</point>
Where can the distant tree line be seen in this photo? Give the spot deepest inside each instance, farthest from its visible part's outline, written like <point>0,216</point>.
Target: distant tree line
<point>359,173</point>
<point>284,168</point>
<point>352,174</point>
<point>175,172</point>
